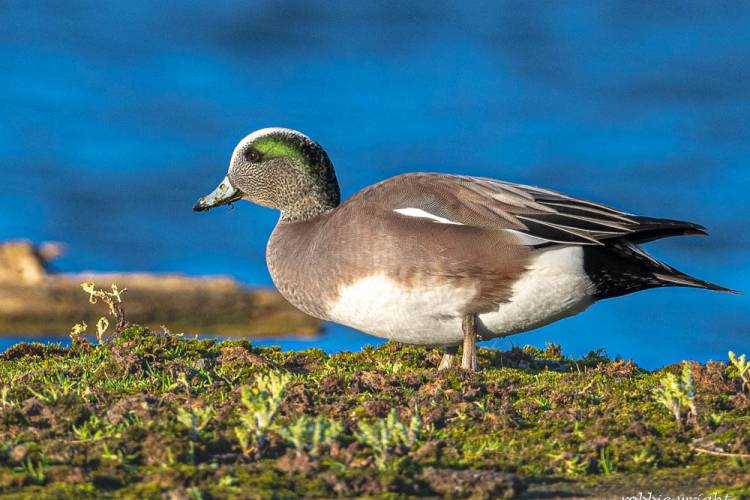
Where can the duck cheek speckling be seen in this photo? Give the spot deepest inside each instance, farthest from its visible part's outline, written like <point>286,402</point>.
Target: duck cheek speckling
<point>271,183</point>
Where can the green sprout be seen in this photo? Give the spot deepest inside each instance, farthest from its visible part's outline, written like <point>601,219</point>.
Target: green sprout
<point>677,394</point>
<point>742,367</point>
<point>4,400</point>
<point>195,419</point>
<point>35,471</point>
<point>261,403</point>
<point>311,434</point>
<point>117,456</point>
<point>575,465</point>
<point>572,464</point>
<point>645,457</point>
<point>607,461</point>
<point>386,434</point>
<point>77,331</point>
<point>90,430</point>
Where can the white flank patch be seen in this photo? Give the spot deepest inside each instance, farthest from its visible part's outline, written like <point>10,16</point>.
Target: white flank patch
<point>379,306</point>
<point>554,287</point>
<point>418,212</point>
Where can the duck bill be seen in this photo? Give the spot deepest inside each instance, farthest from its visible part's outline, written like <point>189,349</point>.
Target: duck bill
<point>222,195</point>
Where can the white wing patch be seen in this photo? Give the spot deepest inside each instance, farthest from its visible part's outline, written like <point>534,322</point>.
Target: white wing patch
<point>418,212</point>
<point>528,239</point>
<point>555,286</point>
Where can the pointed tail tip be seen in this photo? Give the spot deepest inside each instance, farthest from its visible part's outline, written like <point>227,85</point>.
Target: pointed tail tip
<point>699,230</point>
<point>717,288</point>
<point>691,228</point>
<point>689,281</point>
<point>696,231</point>
<point>694,282</point>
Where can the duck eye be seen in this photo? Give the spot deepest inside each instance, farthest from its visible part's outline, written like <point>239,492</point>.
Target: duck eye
<point>252,155</point>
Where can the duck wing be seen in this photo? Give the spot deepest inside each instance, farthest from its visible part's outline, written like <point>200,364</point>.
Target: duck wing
<point>540,216</point>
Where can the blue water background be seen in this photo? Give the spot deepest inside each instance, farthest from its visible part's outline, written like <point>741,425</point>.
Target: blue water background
<point>115,116</point>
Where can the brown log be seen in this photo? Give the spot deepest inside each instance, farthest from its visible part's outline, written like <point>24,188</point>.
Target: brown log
<point>35,302</point>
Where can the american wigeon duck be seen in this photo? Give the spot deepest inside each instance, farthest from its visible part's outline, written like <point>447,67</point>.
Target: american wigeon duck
<point>438,259</point>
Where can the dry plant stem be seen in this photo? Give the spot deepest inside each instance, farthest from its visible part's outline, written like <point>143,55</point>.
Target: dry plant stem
<point>449,358</point>
<point>695,446</point>
<point>122,323</point>
<point>469,327</point>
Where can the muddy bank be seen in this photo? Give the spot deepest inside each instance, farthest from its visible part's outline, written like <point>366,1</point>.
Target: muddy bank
<point>33,300</point>
<point>149,415</point>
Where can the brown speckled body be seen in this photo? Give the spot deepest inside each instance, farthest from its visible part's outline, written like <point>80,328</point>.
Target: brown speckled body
<point>311,261</point>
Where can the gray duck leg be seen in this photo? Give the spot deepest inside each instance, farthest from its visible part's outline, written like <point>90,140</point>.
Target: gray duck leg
<point>469,327</point>
<point>449,358</point>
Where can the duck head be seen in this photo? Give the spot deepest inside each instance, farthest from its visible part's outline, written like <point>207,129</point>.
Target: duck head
<point>278,168</point>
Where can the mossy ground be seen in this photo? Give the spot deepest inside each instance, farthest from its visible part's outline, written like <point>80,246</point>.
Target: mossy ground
<point>101,421</point>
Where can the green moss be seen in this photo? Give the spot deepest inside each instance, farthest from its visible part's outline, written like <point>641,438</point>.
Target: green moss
<point>102,421</point>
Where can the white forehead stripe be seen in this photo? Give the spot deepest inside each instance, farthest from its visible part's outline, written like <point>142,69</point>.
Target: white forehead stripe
<point>418,212</point>
<point>267,131</point>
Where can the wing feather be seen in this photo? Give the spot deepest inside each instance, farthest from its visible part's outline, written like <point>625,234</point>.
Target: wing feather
<point>546,216</point>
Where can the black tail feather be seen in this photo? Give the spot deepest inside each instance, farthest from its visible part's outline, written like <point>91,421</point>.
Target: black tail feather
<point>650,229</point>
<point>621,267</point>
<point>677,278</point>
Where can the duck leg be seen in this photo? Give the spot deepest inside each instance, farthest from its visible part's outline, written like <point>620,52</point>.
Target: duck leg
<point>469,327</point>
<point>449,358</point>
